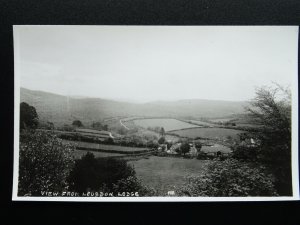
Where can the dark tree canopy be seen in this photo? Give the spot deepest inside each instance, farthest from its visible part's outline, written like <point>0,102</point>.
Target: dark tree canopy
<point>184,148</point>
<point>161,140</point>
<point>28,116</point>
<point>94,174</point>
<point>77,123</point>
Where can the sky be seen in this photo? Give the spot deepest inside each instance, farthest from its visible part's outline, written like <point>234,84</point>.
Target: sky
<point>151,63</point>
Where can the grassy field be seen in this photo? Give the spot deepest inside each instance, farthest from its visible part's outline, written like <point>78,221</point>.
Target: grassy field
<point>163,173</point>
<point>79,153</point>
<point>167,124</point>
<point>107,148</point>
<point>216,148</point>
<point>92,131</point>
<point>201,123</point>
<point>210,133</point>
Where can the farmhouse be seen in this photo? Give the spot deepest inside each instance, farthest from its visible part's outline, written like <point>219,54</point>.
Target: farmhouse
<point>174,148</point>
<point>193,151</point>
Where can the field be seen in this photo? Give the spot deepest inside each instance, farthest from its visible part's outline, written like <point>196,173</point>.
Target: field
<point>215,148</point>
<point>221,120</point>
<point>163,173</point>
<point>201,123</point>
<point>79,153</point>
<point>91,131</point>
<point>167,124</point>
<point>106,148</point>
<point>210,133</point>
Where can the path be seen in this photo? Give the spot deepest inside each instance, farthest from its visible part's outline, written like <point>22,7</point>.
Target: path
<point>124,125</point>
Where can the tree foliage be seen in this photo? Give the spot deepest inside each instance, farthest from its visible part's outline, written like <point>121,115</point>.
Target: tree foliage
<point>99,126</point>
<point>44,163</point>
<point>161,140</point>
<point>184,148</point>
<point>28,116</point>
<point>77,123</point>
<point>104,174</point>
<point>272,109</point>
<point>162,132</point>
<point>230,178</point>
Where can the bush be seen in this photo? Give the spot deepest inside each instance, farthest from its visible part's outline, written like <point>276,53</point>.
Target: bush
<point>132,184</point>
<point>77,123</point>
<point>44,164</point>
<point>201,155</point>
<point>230,178</point>
<point>245,153</point>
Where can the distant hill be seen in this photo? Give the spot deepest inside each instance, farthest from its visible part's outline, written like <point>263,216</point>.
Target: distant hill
<point>61,109</point>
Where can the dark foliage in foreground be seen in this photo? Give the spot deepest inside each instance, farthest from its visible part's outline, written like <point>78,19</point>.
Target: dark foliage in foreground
<point>272,109</point>
<point>28,116</point>
<point>44,163</point>
<point>104,174</point>
<point>230,178</point>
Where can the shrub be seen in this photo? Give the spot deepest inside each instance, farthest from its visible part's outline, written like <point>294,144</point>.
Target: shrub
<point>132,184</point>
<point>77,123</point>
<point>44,164</point>
<point>230,178</point>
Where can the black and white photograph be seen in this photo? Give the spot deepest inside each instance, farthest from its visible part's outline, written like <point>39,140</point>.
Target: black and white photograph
<point>155,113</point>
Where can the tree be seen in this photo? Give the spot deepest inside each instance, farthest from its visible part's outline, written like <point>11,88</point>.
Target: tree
<point>162,132</point>
<point>105,127</point>
<point>28,116</point>
<point>184,148</point>
<point>44,164</point>
<point>77,123</point>
<point>161,140</point>
<point>109,141</point>
<point>97,125</point>
<point>272,109</point>
<point>103,174</point>
<point>50,125</point>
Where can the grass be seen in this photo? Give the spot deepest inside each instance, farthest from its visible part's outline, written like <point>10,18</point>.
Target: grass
<point>209,133</point>
<point>164,173</point>
<point>216,148</point>
<point>167,124</point>
<point>201,123</point>
<point>91,131</point>
<point>107,148</point>
<point>79,153</point>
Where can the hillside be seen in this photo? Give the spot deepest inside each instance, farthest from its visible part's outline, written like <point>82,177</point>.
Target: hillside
<point>61,109</point>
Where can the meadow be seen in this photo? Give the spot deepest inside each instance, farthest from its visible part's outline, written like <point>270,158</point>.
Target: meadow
<point>208,133</point>
<point>167,123</point>
<point>106,148</point>
<point>164,173</point>
<point>79,153</point>
<point>201,123</point>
